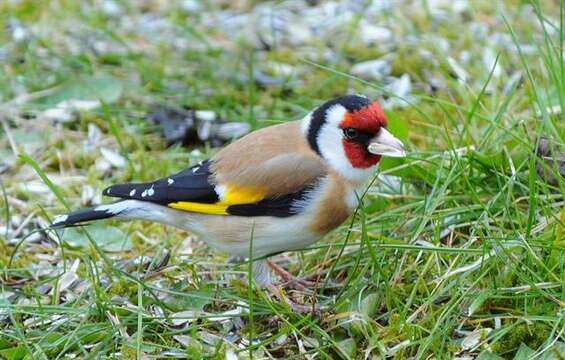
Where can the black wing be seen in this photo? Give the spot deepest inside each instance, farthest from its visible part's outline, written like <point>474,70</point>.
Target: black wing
<point>192,184</point>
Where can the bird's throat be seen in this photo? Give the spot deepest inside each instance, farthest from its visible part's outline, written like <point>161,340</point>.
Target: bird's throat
<point>358,155</point>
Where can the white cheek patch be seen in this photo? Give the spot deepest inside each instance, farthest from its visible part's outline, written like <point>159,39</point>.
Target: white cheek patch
<point>329,137</point>
<point>331,147</point>
<point>334,115</point>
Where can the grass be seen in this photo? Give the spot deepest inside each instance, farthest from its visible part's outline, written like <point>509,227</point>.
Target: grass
<point>460,254</point>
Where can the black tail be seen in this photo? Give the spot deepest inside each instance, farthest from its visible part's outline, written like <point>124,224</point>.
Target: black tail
<point>128,209</point>
<point>81,216</point>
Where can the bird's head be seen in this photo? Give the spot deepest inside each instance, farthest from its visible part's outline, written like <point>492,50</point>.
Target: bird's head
<point>350,134</point>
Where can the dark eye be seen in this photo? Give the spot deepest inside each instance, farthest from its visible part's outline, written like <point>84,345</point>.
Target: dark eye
<point>350,133</point>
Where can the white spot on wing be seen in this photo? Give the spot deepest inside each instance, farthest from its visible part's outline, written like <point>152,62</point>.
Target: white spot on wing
<point>144,193</point>
<point>132,193</point>
<point>60,219</point>
<point>170,181</point>
<point>151,191</point>
<point>195,169</point>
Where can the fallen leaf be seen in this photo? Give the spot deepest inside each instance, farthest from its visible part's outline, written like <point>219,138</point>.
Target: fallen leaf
<point>109,238</point>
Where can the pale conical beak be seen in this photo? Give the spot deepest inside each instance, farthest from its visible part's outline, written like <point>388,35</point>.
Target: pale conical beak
<point>386,144</point>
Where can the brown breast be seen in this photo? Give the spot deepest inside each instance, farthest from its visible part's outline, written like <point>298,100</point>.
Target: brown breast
<point>333,207</point>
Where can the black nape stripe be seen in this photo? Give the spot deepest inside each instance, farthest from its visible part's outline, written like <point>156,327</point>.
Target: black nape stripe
<point>351,103</point>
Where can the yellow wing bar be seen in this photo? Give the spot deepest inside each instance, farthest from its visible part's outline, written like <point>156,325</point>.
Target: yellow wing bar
<point>232,196</point>
<point>216,209</point>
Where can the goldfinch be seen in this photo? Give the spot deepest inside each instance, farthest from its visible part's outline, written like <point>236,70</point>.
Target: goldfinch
<point>281,188</point>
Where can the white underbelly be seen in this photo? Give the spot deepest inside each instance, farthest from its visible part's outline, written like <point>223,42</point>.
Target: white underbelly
<point>231,234</point>
<point>235,234</point>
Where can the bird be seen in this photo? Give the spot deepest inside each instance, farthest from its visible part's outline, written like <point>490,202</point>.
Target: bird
<point>277,189</point>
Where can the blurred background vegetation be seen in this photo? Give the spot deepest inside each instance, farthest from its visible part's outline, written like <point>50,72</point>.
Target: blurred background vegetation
<point>457,252</point>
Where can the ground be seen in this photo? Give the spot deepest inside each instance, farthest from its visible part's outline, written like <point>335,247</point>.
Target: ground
<point>457,251</point>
